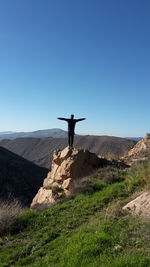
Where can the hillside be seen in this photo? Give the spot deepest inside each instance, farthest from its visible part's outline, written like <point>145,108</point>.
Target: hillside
<point>39,150</point>
<point>19,178</point>
<point>90,229</point>
<point>56,133</point>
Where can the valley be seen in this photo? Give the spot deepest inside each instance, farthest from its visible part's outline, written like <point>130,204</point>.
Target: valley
<point>39,150</point>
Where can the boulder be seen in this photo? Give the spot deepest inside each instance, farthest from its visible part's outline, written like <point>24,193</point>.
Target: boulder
<point>68,166</point>
<point>140,205</point>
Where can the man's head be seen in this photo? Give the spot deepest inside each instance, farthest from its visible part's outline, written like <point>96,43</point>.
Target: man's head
<point>72,116</point>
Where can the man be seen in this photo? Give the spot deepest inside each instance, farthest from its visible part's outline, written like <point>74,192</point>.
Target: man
<point>71,127</point>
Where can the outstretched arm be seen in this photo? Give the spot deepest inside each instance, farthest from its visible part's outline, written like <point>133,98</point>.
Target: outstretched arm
<point>81,119</point>
<point>63,119</point>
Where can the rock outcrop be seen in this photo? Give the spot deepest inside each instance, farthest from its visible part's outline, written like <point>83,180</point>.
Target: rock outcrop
<point>68,167</point>
<point>140,205</point>
<point>139,153</point>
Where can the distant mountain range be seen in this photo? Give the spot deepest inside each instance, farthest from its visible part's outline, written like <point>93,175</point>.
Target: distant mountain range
<point>56,133</point>
<point>40,150</point>
<point>19,178</point>
<point>134,138</point>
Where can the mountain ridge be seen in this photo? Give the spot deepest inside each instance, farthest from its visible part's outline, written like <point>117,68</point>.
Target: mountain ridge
<point>54,132</point>
<point>39,150</point>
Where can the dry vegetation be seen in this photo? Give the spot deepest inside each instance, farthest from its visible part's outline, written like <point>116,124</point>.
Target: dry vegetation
<point>106,175</point>
<point>9,211</point>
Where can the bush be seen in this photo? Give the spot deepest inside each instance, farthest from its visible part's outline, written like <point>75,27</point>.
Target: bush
<point>99,179</point>
<point>9,211</point>
<point>110,175</point>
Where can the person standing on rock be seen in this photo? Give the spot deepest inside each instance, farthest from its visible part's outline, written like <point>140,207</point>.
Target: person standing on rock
<point>71,128</point>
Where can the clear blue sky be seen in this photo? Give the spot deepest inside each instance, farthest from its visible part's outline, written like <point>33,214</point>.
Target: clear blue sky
<point>86,57</point>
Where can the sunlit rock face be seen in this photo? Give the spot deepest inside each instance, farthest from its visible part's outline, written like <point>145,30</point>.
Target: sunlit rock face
<point>140,205</point>
<point>139,153</point>
<point>68,167</point>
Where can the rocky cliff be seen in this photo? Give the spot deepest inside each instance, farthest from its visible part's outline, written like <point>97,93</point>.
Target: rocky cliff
<point>139,153</point>
<point>68,168</point>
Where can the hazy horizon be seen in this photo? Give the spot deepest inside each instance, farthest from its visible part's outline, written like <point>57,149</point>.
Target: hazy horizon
<point>78,133</point>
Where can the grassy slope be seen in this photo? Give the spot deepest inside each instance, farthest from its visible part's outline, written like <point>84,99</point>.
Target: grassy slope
<point>88,230</point>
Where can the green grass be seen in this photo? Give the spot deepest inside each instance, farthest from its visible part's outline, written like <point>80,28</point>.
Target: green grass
<point>89,229</point>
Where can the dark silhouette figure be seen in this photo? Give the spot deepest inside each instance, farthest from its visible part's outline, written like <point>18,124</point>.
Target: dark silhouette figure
<point>71,128</point>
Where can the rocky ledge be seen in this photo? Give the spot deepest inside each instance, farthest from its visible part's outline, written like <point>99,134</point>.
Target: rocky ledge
<point>139,153</point>
<point>68,167</point>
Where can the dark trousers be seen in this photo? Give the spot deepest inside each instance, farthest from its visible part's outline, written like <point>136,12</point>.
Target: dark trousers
<point>70,139</point>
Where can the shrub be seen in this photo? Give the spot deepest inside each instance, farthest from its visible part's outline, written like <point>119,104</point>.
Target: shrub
<point>9,211</point>
<point>110,174</point>
<point>99,179</point>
